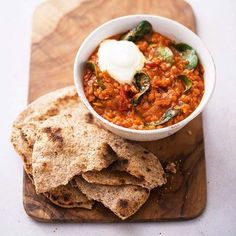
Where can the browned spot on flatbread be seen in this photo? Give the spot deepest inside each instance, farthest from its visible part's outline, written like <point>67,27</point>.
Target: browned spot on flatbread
<point>54,197</point>
<point>51,112</point>
<point>44,165</point>
<point>67,98</point>
<point>47,130</point>
<point>24,158</point>
<point>68,115</point>
<point>54,134</point>
<point>66,197</point>
<point>141,177</point>
<point>123,203</point>
<point>57,138</point>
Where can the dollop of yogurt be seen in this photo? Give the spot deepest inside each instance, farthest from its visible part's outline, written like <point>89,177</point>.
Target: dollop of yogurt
<point>121,59</point>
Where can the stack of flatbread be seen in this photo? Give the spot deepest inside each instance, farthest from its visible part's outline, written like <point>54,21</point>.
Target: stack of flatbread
<point>74,162</point>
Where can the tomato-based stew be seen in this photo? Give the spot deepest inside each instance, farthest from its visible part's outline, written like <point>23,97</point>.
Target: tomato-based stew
<point>143,80</point>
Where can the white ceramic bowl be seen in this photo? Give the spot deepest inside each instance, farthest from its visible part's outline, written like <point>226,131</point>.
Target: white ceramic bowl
<point>165,26</point>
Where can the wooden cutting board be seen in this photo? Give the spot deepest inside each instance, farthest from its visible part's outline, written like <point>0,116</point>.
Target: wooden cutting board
<point>59,27</point>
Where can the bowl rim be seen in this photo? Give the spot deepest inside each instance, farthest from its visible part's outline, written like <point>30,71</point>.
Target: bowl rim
<point>179,124</point>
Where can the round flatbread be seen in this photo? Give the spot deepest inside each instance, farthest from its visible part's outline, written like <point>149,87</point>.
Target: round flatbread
<point>24,132</point>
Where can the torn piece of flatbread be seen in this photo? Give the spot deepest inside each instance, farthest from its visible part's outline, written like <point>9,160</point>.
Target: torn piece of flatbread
<point>112,177</point>
<point>143,167</point>
<point>66,147</point>
<point>24,133</point>
<point>139,162</point>
<point>122,200</point>
<point>135,165</point>
<point>131,158</point>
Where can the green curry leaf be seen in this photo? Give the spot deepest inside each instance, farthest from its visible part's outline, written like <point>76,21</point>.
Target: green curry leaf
<point>187,82</point>
<point>92,66</point>
<point>182,47</point>
<point>142,83</point>
<point>188,54</point>
<point>165,53</point>
<point>191,57</point>
<point>143,28</point>
<point>168,115</point>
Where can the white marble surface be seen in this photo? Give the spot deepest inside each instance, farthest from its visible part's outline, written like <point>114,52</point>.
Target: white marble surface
<point>216,23</point>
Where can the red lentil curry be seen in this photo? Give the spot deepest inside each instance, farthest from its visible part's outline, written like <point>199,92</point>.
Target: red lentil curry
<point>167,89</point>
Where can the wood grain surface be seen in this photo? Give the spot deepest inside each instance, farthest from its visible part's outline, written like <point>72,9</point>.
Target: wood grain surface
<point>59,27</point>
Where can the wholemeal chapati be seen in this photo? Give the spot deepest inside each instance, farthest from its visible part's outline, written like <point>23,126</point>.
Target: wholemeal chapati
<point>139,162</point>
<point>122,200</point>
<point>134,165</point>
<point>24,134</point>
<point>66,147</point>
<point>58,138</point>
